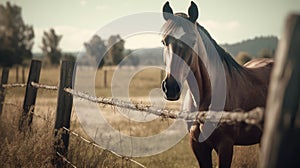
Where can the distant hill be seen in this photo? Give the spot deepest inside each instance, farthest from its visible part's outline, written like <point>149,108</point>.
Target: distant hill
<point>153,56</point>
<point>253,46</point>
<point>149,56</point>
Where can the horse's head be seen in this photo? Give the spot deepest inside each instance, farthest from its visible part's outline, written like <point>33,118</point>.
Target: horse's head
<point>179,40</point>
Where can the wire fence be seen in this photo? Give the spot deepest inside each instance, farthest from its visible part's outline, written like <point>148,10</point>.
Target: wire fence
<point>49,87</point>
<point>253,117</point>
<point>13,85</point>
<point>11,104</point>
<point>43,86</point>
<point>66,160</point>
<point>98,146</point>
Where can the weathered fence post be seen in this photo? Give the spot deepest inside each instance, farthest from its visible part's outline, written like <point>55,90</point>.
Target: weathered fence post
<point>280,143</point>
<point>105,78</point>
<point>23,74</point>
<point>17,74</point>
<point>30,94</point>
<point>4,79</point>
<point>64,108</point>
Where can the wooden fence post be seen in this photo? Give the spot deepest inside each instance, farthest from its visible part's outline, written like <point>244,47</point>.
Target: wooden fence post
<point>17,74</point>
<point>4,79</point>
<point>30,94</point>
<point>23,74</point>
<point>105,78</point>
<point>280,143</point>
<point>64,108</point>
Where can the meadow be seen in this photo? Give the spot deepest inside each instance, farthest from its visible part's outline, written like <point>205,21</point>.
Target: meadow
<point>35,149</point>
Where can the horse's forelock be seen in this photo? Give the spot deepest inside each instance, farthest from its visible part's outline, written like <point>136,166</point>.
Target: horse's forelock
<point>180,20</point>
<point>183,15</point>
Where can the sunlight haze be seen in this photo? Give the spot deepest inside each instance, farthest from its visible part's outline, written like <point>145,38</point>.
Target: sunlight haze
<point>227,21</point>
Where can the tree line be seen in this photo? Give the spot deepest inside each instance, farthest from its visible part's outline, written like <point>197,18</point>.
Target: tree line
<point>17,40</point>
<point>16,37</point>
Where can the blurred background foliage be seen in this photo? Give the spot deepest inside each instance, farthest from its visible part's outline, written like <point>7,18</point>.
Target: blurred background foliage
<point>17,40</point>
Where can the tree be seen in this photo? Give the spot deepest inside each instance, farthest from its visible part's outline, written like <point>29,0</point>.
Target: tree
<point>69,56</point>
<point>96,49</point>
<point>16,38</point>
<point>242,58</point>
<point>50,47</point>
<point>266,53</point>
<point>116,49</point>
<point>134,60</point>
<point>110,52</point>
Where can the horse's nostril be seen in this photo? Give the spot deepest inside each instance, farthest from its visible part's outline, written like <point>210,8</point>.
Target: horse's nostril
<point>164,86</point>
<point>177,87</point>
<point>171,89</point>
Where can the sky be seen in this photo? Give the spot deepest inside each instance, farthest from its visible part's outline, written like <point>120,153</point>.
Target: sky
<point>227,21</point>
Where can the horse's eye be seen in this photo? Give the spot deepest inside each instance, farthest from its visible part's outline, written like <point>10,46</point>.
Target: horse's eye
<point>165,42</point>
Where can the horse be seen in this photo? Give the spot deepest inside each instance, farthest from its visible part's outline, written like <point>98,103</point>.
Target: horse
<point>188,47</point>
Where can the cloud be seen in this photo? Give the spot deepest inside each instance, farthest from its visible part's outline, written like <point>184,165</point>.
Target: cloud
<point>223,32</point>
<point>101,7</point>
<point>214,25</point>
<point>83,2</point>
<point>143,40</point>
<point>72,40</point>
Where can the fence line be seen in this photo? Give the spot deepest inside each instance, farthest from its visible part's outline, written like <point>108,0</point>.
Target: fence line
<point>65,160</point>
<point>98,146</point>
<point>11,104</point>
<point>43,86</point>
<point>40,117</point>
<point>253,117</point>
<point>13,85</point>
<point>88,141</point>
<point>49,87</point>
<point>34,84</point>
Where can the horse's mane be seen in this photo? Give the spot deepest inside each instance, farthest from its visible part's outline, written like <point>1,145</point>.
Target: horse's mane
<point>224,55</point>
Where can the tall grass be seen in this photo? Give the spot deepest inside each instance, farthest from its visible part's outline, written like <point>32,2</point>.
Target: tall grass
<point>24,149</point>
<point>35,149</point>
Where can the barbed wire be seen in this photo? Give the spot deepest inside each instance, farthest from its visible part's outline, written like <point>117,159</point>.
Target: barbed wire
<point>11,104</point>
<point>34,84</point>
<point>98,146</point>
<point>123,104</point>
<point>87,141</point>
<point>40,117</point>
<point>13,85</point>
<point>43,86</point>
<point>253,117</point>
<point>66,160</point>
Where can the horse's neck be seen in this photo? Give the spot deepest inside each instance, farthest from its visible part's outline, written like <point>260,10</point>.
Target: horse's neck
<point>219,85</point>
<point>232,89</point>
<point>200,87</point>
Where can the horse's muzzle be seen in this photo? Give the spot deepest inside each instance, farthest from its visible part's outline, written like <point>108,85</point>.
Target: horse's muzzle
<point>171,89</point>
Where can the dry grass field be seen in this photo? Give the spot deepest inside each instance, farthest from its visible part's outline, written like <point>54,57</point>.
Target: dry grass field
<point>35,149</point>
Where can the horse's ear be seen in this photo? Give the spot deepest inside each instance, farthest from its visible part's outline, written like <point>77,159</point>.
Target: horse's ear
<point>193,12</point>
<point>167,11</point>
